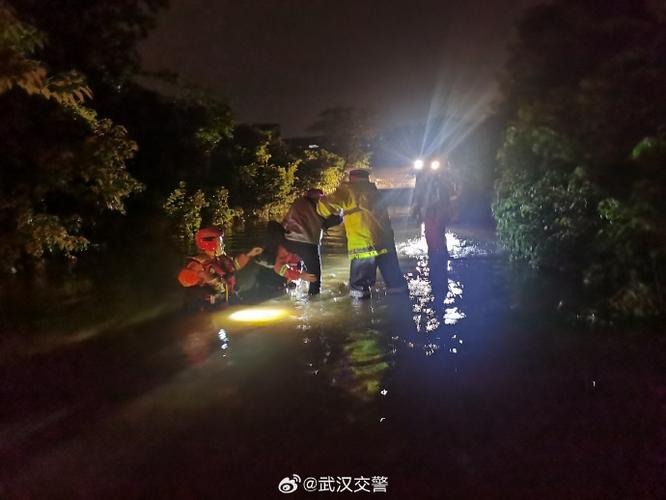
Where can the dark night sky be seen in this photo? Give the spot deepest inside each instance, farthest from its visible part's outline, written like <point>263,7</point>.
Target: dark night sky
<point>285,60</point>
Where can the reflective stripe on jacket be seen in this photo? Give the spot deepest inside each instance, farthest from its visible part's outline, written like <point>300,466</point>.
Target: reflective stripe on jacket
<point>366,219</point>
<point>288,264</point>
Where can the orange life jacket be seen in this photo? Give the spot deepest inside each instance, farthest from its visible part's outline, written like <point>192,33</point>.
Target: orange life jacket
<point>200,267</point>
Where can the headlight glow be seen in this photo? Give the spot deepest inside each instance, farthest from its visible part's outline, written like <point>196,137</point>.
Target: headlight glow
<point>435,164</point>
<point>418,164</point>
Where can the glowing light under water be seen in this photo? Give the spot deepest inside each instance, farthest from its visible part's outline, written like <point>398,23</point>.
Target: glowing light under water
<point>259,315</point>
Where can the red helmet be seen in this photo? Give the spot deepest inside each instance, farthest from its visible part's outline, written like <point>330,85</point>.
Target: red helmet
<point>208,238</point>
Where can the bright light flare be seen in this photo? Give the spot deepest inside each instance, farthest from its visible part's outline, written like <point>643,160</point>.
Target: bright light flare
<point>435,164</point>
<point>418,164</point>
<point>259,315</point>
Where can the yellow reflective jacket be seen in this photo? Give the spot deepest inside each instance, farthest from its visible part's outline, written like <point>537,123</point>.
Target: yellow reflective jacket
<point>366,219</point>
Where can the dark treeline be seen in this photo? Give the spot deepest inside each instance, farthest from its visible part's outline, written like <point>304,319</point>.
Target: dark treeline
<point>90,156</point>
<point>581,185</point>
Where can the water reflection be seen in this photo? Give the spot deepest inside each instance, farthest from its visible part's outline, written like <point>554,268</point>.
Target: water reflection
<point>196,346</point>
<point>428,313</point>
<point>453,384</point>
<point>351,345</point>
<point>224,339</point>
<point>459,247</point>
<point>436,313</point>
<point>356,362</point>
<point>201,339</point>
<point>452,315</point>
<point>362,364</point>
<point>345,343</point>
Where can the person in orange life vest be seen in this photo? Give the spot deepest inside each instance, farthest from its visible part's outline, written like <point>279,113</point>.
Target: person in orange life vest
<point>214,269</point>
<point>285,263</point>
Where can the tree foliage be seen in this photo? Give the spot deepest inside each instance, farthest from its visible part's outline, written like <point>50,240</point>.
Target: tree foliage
<point>180,137</point>
<point>61,163</point>
<point>582,181</point>
<point>18,42</point>
<point>190,210</point>
<point>266,178</point>
<point>95,37</point>
<point>320,169</point>
<point>256,177</point>
<point>347,132</point>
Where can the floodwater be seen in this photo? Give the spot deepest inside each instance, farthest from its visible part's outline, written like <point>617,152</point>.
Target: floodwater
<point>489,396</point>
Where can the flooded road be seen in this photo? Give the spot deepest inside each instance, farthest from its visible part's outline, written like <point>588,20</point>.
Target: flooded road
<point>489,396</point>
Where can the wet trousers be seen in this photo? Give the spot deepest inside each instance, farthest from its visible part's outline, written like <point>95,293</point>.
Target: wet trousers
<point>438,254</point>
<point>435,232</point>
<point>363,274</point>
<point>311,257</point>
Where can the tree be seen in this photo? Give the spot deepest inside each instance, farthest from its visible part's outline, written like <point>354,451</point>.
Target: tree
<point>581,183</point>
<point>61,163</point>
<point>191,210</point>
<point>320,169</point>
<point>95,37</point>
<point>180,138</point>
<point>348,133</point>
<point>266,177</point>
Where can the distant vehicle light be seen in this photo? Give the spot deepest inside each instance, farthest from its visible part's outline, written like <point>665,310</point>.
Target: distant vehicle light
<point>418,164</point>
<point>435,164</point>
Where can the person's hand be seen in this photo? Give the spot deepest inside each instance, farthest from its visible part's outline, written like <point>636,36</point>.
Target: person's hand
<point>255,251</point>
<point>310,278</point>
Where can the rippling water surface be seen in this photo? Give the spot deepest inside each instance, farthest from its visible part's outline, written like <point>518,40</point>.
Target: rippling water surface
<point>482,396</point>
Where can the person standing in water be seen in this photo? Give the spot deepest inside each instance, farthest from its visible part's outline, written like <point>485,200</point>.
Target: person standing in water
<point>370,239</point>
<point>304,231</point>
<point>432,205</point>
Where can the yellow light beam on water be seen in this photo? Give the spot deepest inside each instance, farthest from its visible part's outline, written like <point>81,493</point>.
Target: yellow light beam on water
<point>259,315</point>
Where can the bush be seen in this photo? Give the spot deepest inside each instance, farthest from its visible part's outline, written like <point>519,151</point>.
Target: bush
<point>554,216</point>
<point>545,204</point>
<point>190,210</point>
<point>581,180</point>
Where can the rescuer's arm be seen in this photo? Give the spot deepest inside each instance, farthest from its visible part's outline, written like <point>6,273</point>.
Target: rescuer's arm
<point>335,203</point>
<point>193,274</point>
<point>293,274</point>
<point>330,221</point>
<point>243,259</point>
